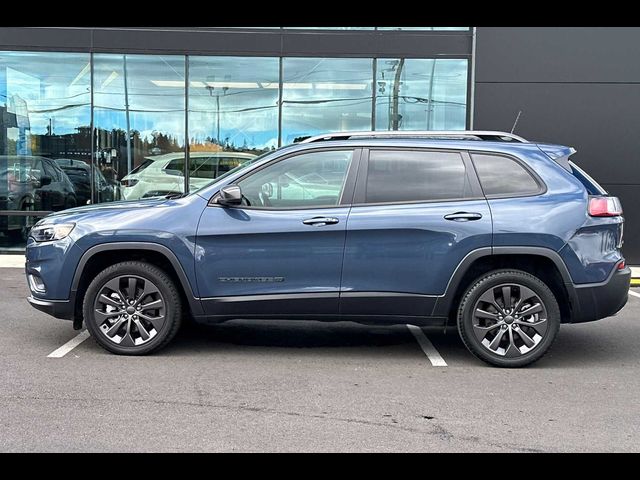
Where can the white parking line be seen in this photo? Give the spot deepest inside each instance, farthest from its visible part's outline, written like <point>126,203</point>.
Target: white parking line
<point>70,345</point>
<point>427,347</point>
<point>634,294</point>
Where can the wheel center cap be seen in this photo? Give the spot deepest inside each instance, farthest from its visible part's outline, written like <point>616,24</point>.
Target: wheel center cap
<point>131,310</point>
<point>508,320</point>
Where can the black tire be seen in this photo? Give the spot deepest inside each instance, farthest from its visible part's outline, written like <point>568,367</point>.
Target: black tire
<point>493,282</point>
<point>166,290</point>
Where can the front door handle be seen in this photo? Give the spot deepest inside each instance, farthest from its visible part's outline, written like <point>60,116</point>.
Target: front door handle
<point>321,221</point>
<point>463,217</point>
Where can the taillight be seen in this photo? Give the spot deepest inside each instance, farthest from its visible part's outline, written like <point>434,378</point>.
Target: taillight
<point>605,207</point>
<point>129,183</point>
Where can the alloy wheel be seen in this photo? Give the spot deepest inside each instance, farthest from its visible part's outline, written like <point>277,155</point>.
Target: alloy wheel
<point>129,310</point>
<point>510,320</point>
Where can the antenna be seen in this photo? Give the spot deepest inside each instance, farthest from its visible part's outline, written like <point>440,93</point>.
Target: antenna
<point>515,124</point>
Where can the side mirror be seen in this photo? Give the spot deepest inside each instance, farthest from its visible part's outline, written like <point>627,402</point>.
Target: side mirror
<point>230,196</point>
<point>44,181</point>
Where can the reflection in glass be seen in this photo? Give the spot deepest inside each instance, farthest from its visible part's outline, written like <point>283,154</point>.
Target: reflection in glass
<point>233,104</point>
<point>139,109</point>
<point>309,180</point>
<point>415,94</point>
<point>45,104</point>
<point>139,115</point>
<point>325,95</point>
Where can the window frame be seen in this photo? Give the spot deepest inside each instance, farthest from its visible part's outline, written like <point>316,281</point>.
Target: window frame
<point>348,189</point>
<point>542,187</point>
<point>361,184</point>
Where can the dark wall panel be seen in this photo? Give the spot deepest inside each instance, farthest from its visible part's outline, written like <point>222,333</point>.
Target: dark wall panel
<point>558,54</point>
<point>45,38</point>
<point>600,120</point>
<point>212,41</point>
<point>575,86</point>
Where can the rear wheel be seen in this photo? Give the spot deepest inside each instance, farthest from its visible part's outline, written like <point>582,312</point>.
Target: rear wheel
<point>508,318</point>
<point>132,308</point>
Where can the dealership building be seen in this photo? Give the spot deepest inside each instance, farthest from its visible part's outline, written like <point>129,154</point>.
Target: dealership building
<point>92,114</point>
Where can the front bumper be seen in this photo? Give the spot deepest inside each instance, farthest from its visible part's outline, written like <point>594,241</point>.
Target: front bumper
<point>62,309</point>
<point>596,301</point>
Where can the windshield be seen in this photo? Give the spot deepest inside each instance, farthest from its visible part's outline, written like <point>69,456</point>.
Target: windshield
<point>243,165</point>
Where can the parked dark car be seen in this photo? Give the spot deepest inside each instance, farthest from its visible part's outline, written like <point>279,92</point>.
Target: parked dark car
<point>484,232</point>
<point>31,183</point>
<point>79,173</point>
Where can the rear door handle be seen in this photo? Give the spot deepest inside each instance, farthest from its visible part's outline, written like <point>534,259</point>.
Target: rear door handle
<point>463,217</point>
<point>321,221</point>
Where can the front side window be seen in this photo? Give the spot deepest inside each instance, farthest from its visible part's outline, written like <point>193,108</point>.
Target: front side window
<point>396,176</point>
<point>305,181</point>
<point>502,176</point>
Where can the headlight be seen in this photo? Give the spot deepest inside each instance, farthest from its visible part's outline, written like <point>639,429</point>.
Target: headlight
<point>49,233</point>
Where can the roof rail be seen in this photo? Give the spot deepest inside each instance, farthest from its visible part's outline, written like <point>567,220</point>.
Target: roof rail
<point>457,134</point>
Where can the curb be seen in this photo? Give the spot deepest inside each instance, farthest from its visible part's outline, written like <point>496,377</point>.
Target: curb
<point>12,261</point>
<point>635,276</point>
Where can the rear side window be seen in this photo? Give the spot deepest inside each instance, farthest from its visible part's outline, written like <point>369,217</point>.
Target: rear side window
<point>396,176</point>
<point>503,176</point>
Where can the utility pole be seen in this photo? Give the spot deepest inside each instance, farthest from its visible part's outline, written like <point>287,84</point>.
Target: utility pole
<point>395,113</point>
<point>431,105</point>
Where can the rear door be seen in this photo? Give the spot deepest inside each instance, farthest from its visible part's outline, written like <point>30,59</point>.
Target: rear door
<point>416,215</point>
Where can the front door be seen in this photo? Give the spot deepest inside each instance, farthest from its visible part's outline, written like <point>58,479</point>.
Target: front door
<point>280,253</point>
<point>416,215</point>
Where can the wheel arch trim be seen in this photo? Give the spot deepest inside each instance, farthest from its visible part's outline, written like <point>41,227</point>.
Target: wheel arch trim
<point>194,302</point>
<point>444,303</point>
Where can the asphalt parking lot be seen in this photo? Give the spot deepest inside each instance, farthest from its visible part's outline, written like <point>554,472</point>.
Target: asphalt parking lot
<point>295,386</point>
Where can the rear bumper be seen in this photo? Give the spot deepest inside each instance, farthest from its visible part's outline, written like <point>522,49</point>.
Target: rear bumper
<point>597,301</point>
<point>62,309</point>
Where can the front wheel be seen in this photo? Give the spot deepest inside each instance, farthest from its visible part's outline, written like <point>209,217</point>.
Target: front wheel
<point>508,318</point>
<point>132,308</point>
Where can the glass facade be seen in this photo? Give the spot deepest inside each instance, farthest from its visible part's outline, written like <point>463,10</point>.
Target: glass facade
<point>79,128</point>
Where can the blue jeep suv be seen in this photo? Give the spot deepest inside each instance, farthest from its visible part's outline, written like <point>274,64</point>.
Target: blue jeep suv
<point>503,238</point>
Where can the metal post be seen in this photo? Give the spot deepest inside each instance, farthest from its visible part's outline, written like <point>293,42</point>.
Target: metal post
<point>374,94</point>
<point>472,90</point>
<point>280,98</point>
<point>126,107</point>
<point>187,157</point>
<point>92,136</point>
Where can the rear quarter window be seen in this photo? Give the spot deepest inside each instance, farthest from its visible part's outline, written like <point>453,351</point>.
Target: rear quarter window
<point>503,176</point>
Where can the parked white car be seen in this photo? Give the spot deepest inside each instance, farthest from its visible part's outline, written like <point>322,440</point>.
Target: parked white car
<point>164,174</point>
